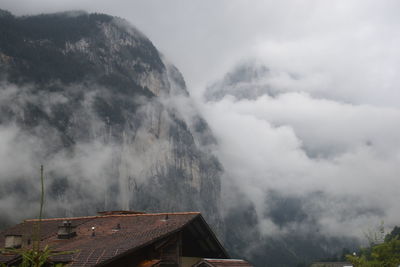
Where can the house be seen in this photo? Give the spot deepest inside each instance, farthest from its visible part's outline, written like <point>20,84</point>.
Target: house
<point>123,238</point>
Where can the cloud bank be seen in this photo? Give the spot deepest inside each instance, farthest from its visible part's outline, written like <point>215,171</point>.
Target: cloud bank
<point>326,129</point>
<point>297,146</point>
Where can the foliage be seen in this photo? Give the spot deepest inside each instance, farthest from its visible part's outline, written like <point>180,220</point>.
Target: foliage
<point>395,234</point>
<point>35,258</point>
<point>385,254</point>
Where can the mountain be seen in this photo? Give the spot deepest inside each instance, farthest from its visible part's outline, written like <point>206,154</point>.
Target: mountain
<point>91,98</point>
<point>248,80</point>
<point>277,228</point>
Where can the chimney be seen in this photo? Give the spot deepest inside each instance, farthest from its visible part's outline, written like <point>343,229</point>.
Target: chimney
<point>13,241</point>
<point>66,230</point>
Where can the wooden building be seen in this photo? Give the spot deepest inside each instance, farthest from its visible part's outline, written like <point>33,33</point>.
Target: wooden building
<point>123,239</point>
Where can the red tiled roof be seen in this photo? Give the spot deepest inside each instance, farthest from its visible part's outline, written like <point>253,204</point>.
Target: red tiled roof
<point>6,257</point>
<point>136,231</point>
<point>226,263</point>
<point>119,212</point>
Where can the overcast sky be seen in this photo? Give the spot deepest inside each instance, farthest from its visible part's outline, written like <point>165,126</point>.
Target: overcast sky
<point>352,44</point>
<point>334,125</point>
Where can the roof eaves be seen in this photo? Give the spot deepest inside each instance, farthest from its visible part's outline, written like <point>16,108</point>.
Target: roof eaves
<point>226,255</point>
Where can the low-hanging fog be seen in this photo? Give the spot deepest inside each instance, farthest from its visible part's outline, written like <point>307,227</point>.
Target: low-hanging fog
<point>320,124</point>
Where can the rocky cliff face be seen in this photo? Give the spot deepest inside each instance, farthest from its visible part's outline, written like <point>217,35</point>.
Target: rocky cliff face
<point>248,80</point>
<point>91,98</point>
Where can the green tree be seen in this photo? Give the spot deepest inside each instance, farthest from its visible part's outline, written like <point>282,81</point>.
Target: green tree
<point>386,254</point>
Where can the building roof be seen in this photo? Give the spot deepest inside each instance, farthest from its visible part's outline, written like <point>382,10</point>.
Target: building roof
<point>224,263</point>
<point>114,235</point>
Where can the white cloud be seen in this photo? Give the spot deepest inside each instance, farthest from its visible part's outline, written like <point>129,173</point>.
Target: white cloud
<point>298,145</point>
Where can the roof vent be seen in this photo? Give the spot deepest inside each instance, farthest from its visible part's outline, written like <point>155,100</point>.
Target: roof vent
<point>166,218</point>
<point>116,228</point>
<point>13,241</point>
<point>66,230</point>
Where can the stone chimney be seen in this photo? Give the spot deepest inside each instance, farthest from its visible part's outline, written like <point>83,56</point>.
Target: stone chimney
<point>66,230</point>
